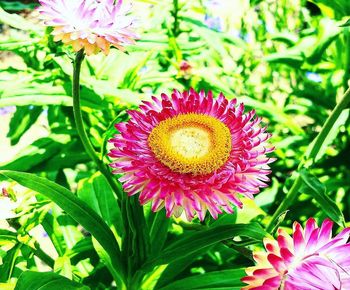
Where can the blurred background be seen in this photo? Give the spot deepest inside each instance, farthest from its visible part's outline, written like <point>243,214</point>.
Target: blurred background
<point>289,60</point>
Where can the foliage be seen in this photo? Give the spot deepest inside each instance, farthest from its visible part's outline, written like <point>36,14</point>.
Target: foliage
<point>289,60</point>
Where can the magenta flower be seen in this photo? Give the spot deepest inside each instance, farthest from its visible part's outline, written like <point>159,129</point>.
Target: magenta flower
<point>191,152</point>
<point>310,260</point>
<point>89,24</point>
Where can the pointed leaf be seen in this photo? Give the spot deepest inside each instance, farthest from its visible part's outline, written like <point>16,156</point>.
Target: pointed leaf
<point>76,208</point>
<point>46,281</point>
<point>312,186</point>
<point>211,280</point>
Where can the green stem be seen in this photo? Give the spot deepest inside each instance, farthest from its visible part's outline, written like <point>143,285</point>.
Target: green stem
<point>80,124</point>
<point>44,257</point>
<point>310,154</point>
<point>84,138</point>
<point>175,13</point>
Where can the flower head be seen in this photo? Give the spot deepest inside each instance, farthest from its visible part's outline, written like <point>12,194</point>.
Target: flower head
<point>90,24</point>
<point>192,152</point>
<point>309,260</point>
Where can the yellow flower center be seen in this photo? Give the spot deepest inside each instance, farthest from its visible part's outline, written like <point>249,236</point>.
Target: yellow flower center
<point>191,143</point>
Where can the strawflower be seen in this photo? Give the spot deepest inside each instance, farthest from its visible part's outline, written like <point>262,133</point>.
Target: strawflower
<point>191,152</point>
<point>309,260</point>
<point>93,25</point>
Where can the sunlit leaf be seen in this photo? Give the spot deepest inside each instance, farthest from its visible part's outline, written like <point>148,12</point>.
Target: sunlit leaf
<point>312,186</point>
<point>46,281</point>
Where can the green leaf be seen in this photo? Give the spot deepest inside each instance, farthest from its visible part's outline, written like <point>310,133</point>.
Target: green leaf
<point>331,136</point>
<point>13,45</point>
<point>46,281</point>
<point>193,242</point>
<point>17,21</point>
<point>98,194</point>
<point>20,88</point>
<point>9,263</point>
<point>158,231</point>
<point>329,31</point>
<point>136,246</point>
<point>175,268</point>
<point>69,156</point>
<point>76,208</point>
<point>16,5</point>
<point>63,267</point>
<point>210,280</point>
<point>22,120</point>
<point>312,186</point>
<point>36,153</point>
<point>346,24</point>
<point>290,57</point>
<point>132,75</point>
<point>7,236</point>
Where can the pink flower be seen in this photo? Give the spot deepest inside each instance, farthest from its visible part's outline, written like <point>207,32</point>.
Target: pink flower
<point>192,152</point>
<point>89,24</point>
<point>310,260</point>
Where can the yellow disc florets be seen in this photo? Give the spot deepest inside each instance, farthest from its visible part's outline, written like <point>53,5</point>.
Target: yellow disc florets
<point>191,143</point>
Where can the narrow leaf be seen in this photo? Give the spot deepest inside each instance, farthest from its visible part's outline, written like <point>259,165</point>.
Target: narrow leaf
<point>312,186</point>
<point>46,281</point>
<point>76,208</point>
<point>193,242</point>
<point>211,280</point>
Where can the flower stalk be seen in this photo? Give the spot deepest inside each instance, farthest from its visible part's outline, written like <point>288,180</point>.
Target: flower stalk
<point>78,117</point>
<point>310,155</point>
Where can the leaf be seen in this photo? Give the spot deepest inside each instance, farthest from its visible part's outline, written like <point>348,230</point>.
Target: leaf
<point>13,45</point>
<point>22,120</point>
<point>210,280</point>
<point>158,231</point>
<point>332,134</point>
<point>346,24</point>
<point>312,186</point>
<point>18,88</point>
<point>36,153</point>
<point>136,245</point>
<point>290,57</point>
<point>63,267</point>
<point>175,269</point>
<point>132,75</point>
<point>193,242</point>
<point>69,156</point>
<point>76,208</point>
<point>106,259</point>
<point>7,237</point>
<point>46,281</point>
<point>9,263</point>
<point>17,21</point>
<point>329,31</point>
<point>16,5</point>
<point>98,194</point>
<point>289,38</point>
<point>54,231</point>
<point>335,8</point>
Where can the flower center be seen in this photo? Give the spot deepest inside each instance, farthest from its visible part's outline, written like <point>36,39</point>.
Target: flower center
<point>191,143</point>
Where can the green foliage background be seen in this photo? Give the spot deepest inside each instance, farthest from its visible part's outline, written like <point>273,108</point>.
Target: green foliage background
<point>288,60</point>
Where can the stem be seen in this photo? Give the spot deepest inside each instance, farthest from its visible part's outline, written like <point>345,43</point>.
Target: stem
<point>176,20</point>
<point>85,140</point>
<point>310,154</point>
<point>333,117</point>
<point>80,124</point>
<point>44,257</point>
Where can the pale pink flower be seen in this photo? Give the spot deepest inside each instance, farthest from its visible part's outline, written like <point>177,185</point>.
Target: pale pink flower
<point>309,260</point>
<point>192,152</point>
<point>90,24</point>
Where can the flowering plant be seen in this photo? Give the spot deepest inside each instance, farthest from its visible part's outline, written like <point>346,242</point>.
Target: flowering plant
<point>199,147</point>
